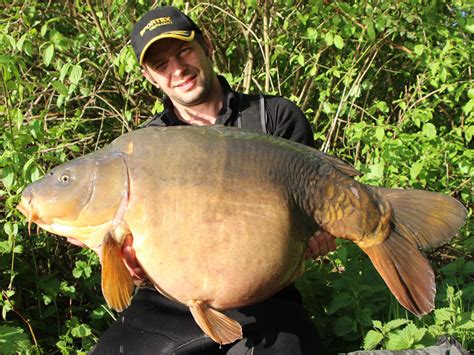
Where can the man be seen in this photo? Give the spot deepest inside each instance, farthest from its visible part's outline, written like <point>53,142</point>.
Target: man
<point>176,58</point>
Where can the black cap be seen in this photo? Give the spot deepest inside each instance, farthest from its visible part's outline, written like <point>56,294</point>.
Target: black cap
<point>162,22</point>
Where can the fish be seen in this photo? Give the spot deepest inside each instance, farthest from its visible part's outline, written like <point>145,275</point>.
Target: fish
<point>220,218</point>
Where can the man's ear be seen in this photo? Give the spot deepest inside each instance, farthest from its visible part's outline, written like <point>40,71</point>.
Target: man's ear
<point>148,77</point>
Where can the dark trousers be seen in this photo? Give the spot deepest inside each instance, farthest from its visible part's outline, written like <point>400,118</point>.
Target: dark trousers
<point>154,324</point>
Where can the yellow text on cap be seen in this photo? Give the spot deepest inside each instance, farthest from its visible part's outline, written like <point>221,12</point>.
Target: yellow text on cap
<point>157,22</point>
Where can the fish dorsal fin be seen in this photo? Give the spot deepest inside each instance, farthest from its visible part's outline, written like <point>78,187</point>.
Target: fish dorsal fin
<point>218,326</point>
<point>340,165</point>
<point>117,283</point>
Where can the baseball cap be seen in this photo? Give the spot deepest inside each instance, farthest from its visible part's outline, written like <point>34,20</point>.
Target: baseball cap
<point>159,23</point>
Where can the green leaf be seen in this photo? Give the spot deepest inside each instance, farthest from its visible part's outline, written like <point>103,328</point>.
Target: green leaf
<point>469,133</point>
<point>470,25</point>
<point>377,324</point>
<point>371,31</point>
<point>339,301</point>
<point>372,339</point>
<point>48,55</point>
<point>252,4</point>
<point>8,177</point>
<point>60,87</point>
<point>64,70</point>
<point>415,169</point>
<point>468,268</point>
<point>467,108</point>
<point>397,342</point>
<point>364,317</point>
<point>382,106</point>
<point>394,324</point>
<point>329,38</point>
<point>443,315</point>
<point>429,130</point>
<point>81,331</point>
<point>300,60</point>
<point>10,229</point>
<point>418,49</point>
<point>380,133</point>
<point>67,290</point>
<point>13,340</point>
<point>81,269</point>
<point>469,325</point>
<point>343,326</point>
<point>376,171</point>
<point>6,59</point>
<point>338,42</point>
<point>76,74</point>
<point>470,93</point>
<point>98,313</point>
<point>412,334</point>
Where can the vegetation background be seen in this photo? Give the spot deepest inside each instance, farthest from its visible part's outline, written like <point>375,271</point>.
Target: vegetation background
<point>386,85</point>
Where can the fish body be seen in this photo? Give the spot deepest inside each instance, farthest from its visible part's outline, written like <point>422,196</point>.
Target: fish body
<point>221,218</point>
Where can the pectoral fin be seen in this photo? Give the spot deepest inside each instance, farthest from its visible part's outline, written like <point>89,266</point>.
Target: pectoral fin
<point>117,283</point>
<point>219,327</point>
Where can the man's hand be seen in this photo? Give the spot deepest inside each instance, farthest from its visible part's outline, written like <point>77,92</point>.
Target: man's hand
<point>320,244</point>
<point>130,261</point>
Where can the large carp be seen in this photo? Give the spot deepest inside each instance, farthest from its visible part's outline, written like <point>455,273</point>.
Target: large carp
<point>221,218</point>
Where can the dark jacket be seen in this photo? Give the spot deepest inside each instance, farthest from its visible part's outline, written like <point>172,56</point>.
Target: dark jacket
<point>153,324</point>
<point>283,118</point>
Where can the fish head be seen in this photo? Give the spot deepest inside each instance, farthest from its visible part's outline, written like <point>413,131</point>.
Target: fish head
<point>82,199</point>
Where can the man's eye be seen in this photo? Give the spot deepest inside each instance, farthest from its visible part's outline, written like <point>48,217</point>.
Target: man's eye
<point>184,51</point>
<point>160,65</point>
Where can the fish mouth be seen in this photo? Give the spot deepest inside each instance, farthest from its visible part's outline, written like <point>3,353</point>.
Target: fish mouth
<point>25,208</point>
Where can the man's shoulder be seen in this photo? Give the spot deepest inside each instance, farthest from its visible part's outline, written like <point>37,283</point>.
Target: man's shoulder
<point>270,101</point>
<point>280,101</point>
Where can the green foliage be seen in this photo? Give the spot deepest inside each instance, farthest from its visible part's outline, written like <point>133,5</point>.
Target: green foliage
<point>453,321</point>
<point>386,85</point>
<point>13,340</point>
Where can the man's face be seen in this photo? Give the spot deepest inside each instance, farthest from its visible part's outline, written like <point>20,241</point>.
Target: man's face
<point>181,69</point>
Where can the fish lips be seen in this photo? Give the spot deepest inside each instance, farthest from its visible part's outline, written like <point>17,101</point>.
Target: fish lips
<point>27,210</point>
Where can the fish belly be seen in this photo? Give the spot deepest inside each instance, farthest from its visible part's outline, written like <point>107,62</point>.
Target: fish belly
<point>228,247</point>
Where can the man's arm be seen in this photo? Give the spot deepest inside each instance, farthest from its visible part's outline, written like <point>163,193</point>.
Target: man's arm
<point>286,120</point>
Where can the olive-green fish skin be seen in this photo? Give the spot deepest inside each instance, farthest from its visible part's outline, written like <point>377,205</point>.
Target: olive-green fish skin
<point>221,217</point>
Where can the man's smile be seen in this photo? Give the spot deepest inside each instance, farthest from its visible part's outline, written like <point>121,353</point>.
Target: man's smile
<point>187,84</point>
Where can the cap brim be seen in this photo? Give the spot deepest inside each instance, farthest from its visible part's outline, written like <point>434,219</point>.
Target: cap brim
<point>187,36</point>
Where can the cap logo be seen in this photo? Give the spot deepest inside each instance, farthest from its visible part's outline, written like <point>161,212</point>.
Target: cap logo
<point>157,22</point>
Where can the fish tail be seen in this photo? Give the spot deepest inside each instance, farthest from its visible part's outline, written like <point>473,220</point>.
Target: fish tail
<point>419,219</point>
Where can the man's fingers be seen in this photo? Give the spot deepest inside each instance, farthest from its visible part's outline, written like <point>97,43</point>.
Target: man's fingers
<point>320,244</point>
<point>76,242</point>
<point>130,260</point>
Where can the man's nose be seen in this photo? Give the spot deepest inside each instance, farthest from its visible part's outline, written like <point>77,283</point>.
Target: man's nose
<point>178,66</point>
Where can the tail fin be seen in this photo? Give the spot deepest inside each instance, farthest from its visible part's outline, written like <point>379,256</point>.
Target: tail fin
<point>420,219</point>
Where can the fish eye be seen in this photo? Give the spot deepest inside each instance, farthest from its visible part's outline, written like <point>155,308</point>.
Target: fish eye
<point>64,178</point>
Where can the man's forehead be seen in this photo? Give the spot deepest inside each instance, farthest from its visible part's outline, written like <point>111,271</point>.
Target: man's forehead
<point>164,47</point>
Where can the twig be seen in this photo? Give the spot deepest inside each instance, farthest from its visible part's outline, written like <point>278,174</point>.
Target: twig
<point>67,145</point>
<point>266,45</point>
<point>237,20</point>
<point>4,294</point>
